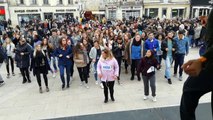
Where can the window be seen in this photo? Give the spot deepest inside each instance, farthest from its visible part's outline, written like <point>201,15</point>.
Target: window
<point>153,12</point>
<point>21,1</point>
<point>34,2</point>
<point>177,12</point>
<point>45,2</point>
<point>60,2</point>
<point>164,12</point>
<point>70,1</point>
<point>112,14</point>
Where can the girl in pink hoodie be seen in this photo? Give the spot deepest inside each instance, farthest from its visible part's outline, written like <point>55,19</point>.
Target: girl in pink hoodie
<point>108,71</point>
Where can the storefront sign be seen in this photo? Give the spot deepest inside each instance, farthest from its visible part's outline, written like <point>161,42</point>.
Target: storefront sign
<point>70,10</point>
<point>31,10</point>
<point>19,11</point>
<point>60,10</point>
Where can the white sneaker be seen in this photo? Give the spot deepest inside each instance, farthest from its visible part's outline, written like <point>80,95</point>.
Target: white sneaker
<point>101,85</point>
<point>154,99</point>
<point>81,83</point>
<point>145,97</point>
<point>86,85</point>
<point>180,78</point>
<point>96,82</point>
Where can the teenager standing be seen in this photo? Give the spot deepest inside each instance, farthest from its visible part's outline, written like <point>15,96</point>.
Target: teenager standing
<point>108,71</point>
<point>39,65</point>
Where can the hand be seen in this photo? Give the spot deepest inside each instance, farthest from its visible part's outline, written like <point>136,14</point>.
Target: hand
<point>119,46</point>
<point>114,77</point>
<point>93,60</point>
<point>60,55</point>
<point>192,67</point>
<point>22,53</point>
<point>100,75</point>
<point>173,49</point>
<point>68,56</point>
<point>155,49</point>
<point>167,49</point>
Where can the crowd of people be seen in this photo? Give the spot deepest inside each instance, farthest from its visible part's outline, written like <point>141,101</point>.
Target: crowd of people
<point>101,47</point>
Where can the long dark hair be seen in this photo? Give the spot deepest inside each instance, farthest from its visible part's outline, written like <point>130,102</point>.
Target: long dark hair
<point>60,43</point>
<point>77,49</point>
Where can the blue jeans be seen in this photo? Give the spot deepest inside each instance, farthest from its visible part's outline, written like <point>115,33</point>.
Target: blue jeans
<point>168,63</point>
<point>191,40</point>
<point>61,68</point>
<point>95,70</point>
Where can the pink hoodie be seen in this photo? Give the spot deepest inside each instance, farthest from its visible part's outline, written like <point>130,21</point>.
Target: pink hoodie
<point>108,68</point>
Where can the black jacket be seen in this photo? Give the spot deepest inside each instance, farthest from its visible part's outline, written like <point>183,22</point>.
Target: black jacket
<point>39,63</point>
<point>117,52</point>
<point>164,45</point>
<point>23,61</point>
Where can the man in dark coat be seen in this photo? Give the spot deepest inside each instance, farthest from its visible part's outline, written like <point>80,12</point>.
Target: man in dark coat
<point>200,80</point>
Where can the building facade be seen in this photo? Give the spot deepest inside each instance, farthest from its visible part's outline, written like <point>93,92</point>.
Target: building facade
<point>25,10</point>
<point>4,10</point>
<point>119,9</point>
<point>167,8</point>
<point>200,7</point>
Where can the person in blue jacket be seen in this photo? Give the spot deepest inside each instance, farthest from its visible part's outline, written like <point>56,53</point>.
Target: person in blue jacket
<point>152,44</point>
<point>64,53</point>
<point>181,50</point>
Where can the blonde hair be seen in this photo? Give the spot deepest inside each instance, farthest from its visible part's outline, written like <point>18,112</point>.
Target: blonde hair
<point>108,53</point>
<point>5,43</point>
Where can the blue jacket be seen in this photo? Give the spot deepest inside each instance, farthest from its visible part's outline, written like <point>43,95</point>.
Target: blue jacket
<point>152,45</point>
<point>182,45</point>
<point>64,60</point>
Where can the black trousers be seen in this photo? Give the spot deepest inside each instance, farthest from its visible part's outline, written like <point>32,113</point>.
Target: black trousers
<point>25,74</point>
<point>38,77</point>
<point>10,62</point>
<point>72,68</point>
<point>134,65</point>
<point>83,74</point>
<point>88,68</point>
<point>126,64</point>
<point>179,60</point>
<point>108,85</point>
<point>193,89</point>
<point>119,60</point>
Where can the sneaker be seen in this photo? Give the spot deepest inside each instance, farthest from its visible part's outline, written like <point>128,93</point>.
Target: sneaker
<point>81,83</point>
<point>96,82</point>
<point>68,86</point>
<point>8,75</point>
<point>145,97</point>
<point>24,81</point>
<point>47,89</point>
<point>132,78</point>
<point>169,81</point>
<point>105,101</point>
<point>175,75</point>
<point>2,83</point>
<point>40,90</point>
<point>180,78</point>
<point>101,85</point>
<point>154,99</point>
<point>86,86</point>
<point>165,76</point>
<point>29,81</point>
<point>113,99</point>
<point>139,78</point>
<point>13,74</point>
<point>63,86</point>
